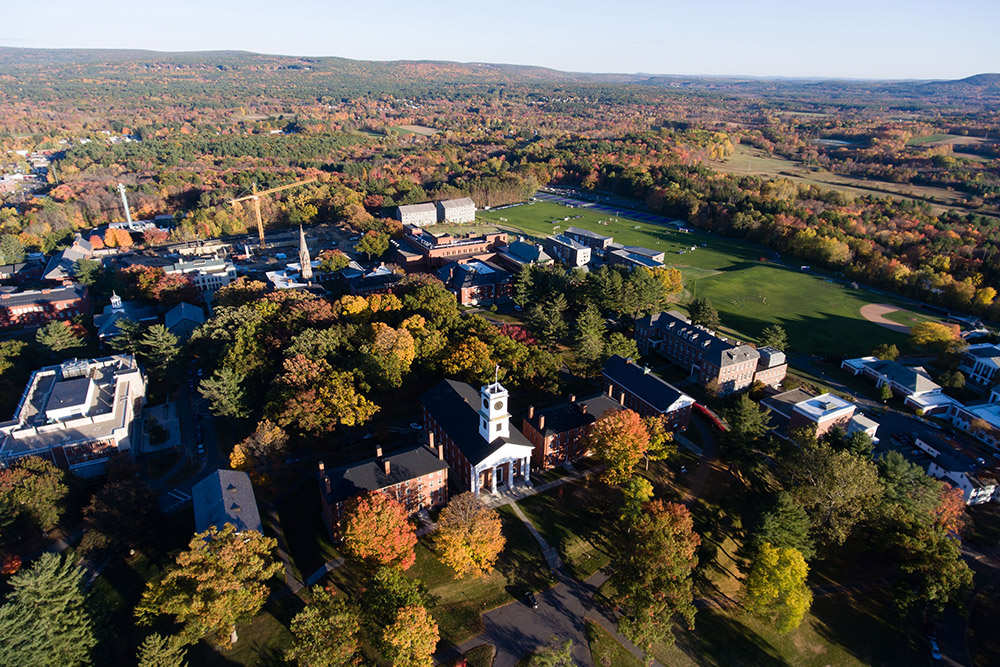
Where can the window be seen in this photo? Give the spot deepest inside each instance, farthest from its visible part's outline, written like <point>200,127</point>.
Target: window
<point>498,426</point>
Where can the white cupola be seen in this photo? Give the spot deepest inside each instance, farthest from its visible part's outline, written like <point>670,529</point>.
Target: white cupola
<point>494,420</point>
<point>116,302</point>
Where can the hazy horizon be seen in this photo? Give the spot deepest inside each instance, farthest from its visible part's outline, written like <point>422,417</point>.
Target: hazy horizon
<point>894,39</point>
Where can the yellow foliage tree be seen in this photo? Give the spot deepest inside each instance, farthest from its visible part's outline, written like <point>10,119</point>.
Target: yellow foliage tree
<point>776,587</point>
<point>469,536</point>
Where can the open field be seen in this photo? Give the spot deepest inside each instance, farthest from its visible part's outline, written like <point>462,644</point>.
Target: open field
<point>746,283</point>
<point>942,139</point>
<point>750,160</point>
<point>415,129</point>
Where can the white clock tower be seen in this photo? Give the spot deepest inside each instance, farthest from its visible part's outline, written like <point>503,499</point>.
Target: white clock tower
<point>494,420</point>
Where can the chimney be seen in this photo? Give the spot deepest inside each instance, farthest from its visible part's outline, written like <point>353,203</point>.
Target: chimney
<point>321,467</point>
<point>541,422</point>
<point>583,408</point>
<point>430,439</point>
<point>531,412</point>
<point>572,398</point>
<point>610,388</point>
<point>621,398</point>
<point>378,451</point>
<point>385,465</point>
<point>441,452</point>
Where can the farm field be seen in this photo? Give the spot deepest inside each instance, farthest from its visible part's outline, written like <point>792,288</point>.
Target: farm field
<point>415,129</point>
<point>747,284</point>
<point>751,160</point>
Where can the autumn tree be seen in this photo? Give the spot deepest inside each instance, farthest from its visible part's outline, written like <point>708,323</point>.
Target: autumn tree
<point>469,536</point>
<point>159,651</point>
<point>155,236</point>
<point>469,361</point>
<point>326,632</point>
<point>410,640</point>
<point>331,261</point>
<point>670,277</point>
<point>935,335</point>
<point>886,352</point>
<point>661,441</point>
<point>836,488</point>
<point>240,292</point>
<point>33,488</point>
<point>701,312</point>
<point>45,619</point>
<point>390,355</point>
<point>653,578</point>
<point>620,439</point>
<point>119,517</point>
<point>257,450</point>
<point>774,336</point>
<point>373,244</point>
<point>775,589</point>
<point>117,238</point>
<point>638,491</point>
<point>377,531</point>
<point>57,336</point>
<point>218,582</point>
<point>315,398</point>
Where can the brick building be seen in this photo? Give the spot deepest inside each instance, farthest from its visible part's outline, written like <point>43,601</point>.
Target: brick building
<point>557,432</point>
<point>477,283</point>
<point>588,238</point>
<point>36,307</point>
<point>641,390</point>
<point>419,249</point>
<point>730,365</point>
<point>416,476</point>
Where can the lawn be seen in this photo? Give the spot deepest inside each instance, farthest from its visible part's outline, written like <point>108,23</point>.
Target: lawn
<point>909,318</point>
<point>743,281</point>
<point>302,521</point>
<point>606,650</point>
<point>576,519</point>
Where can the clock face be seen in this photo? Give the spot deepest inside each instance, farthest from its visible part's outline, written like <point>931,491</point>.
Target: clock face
<point>498,405</point>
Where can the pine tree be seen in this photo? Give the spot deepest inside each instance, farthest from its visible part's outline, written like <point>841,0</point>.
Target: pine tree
<point>589,337</point>
<point>127,340</point>
<point>58,336</point>
<point>224,393</point>
<point>44,621</point>
<point>786,525</point>
<point>159,651</point>
<point>774,336</point>
<point>701,312</point>
<point>159,347</point>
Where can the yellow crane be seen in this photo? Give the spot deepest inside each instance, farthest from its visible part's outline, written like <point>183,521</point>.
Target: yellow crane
<point>255,198</point>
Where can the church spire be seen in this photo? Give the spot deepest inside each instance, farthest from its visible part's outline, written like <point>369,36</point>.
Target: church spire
<point>305,262</point>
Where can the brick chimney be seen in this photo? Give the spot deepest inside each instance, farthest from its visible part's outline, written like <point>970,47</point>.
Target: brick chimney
<point>583,408</point>
<point>386,466</point>
<point>441,452</point>
<point>541,422</point>
<point>378,451</point>
<point>531,412</point>
<point>430,439</point>
<point>610,389</point>
<point>572,398</point>
<point>621,398</point>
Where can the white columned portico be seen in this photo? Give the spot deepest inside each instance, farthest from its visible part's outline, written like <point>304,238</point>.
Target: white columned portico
<point>526,468</point>
<point>493,479</point>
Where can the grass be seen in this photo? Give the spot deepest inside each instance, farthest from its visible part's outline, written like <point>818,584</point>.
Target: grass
<point>575,519</point>
<point>302,521</point>
<point>403,130</point>
<point>929,139</point>
<point>744,282</point>
<point>263,641</point>
<point>909,318</point>
<point>607,651</point>
<point>480,656</point>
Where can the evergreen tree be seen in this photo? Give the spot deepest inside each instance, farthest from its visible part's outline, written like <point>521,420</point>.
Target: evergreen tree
<point>127,340</point>
<point>159,346</point>
<point>747,425</point>
<point>774,336</point>
<point>700,312</point>
<point>523,286</point>
<point>621,345</point>
<point>589,337</point>
<point>11,249</point>
<point>45,622</point>
<point>224,392</point>
<point>57,336</point>
<point>159,651</point>
<point>786,525</point>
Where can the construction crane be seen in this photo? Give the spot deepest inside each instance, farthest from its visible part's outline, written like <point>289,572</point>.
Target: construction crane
<point>255,198</point>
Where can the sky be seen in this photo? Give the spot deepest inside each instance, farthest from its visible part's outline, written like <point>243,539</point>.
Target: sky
<point>897,39</point>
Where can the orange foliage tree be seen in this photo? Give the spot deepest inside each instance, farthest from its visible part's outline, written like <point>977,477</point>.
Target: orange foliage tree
<point>620,439</point>
<point>377,531</point>
<point>469,536</point>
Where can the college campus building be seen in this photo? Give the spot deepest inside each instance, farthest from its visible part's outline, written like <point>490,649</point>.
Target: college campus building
<point>62,265</point>
<point>981,363</point>
<point>558,432</point>
<point>638,388</point>
<point>449,210</point>
<point>729,366</point>
<point>419,249</point>
<point>36,307</point>
<point>520,253</point>
<point>568,251</point>
<point>416,476</point>
<point>632,257</point>
<point>208,275</point>
<point>912,383</point>
<point>590,239</point>
<point>107,322</point>
<point>484,451</point>
<point>477,282</point>
<point>798,408</point>
<point>417,215</point>
<point>945,460</point>
<point>78,414</point>
<point>183,319</point>
<point>225,496</point>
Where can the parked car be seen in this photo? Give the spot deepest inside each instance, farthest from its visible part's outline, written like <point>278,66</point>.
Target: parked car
<point>201,449</point>
<point>935,651</point>
<point>531,600</point>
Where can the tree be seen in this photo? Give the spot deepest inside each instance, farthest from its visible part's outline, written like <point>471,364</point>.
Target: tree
<point>661,441</point>
<point>934,572</point>
<point>155,236</point>
<point>469,536</point>
<point>218,582</point>
<point>331,261</point>
<point>127,340</point>
<point>786,526</point>
<point>671,279</point>
<point>224,393</point>
<point>885,392</point>
<point>119,517</point>
<point>638,492</point>
<point>547,319</point>
<point>326,632</point>
<point>860,443</point>
<point>11,249</point>
<point>589,343</point>
<point>775,589</point>
<point>240,292</point>
<point>620,439</point>
<point>555,654</point>
<point>373,244</point>
<point>836,488</point>
<point>621,345</point>
<point>259,448</point>
<point>35,488</point>
<point>700,312</point>
<point>9,351</point>
<point>117,238</point>
<point>389,591</point>
<point>377,531</point>
<point>747,425</point>
<point>934,335</point>
<point>159,651</point>
<point>410,640</point>
<point>653,580</point>
<point>45,621</point>
<point>886,352</point>
<point>57,336</point>
<point>160,347</point>
<point>774,336</point>
<point>315,398</point>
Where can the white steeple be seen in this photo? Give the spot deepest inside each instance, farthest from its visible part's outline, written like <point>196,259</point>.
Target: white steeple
<point>494,420</point>
<point>305,262</point>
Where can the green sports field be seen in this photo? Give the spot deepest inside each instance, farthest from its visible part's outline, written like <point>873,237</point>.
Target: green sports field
<point>746,283</point>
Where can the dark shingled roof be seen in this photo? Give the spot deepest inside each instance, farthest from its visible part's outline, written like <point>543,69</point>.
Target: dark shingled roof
<point>33,297</point>
<point>455,406</point>
<point>568,416</point>
<point>646,385</point>
<point>351,480</point>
